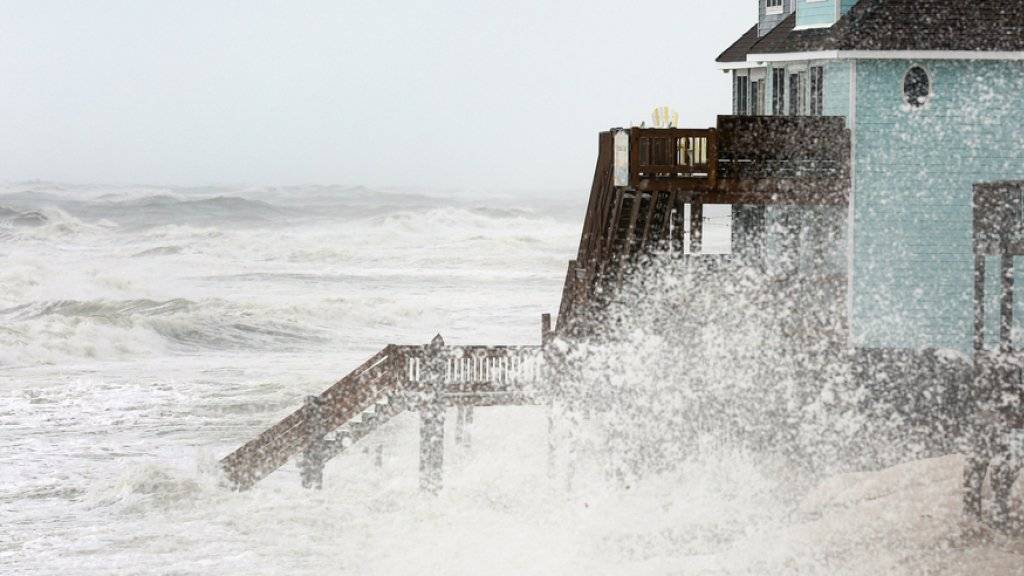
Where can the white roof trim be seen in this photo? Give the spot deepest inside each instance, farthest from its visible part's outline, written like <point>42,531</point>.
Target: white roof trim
<point>739,65</point>
<point>887,55</point>
<point>812,26</point>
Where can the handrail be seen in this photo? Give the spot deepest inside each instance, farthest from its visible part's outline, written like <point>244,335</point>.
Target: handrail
<point>478,375</point>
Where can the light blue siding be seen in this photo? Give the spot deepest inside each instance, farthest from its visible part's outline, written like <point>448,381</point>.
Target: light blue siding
<point>914,171</point>
<point>815,12</point>
<point>837,88</point>
<point>845,5</point>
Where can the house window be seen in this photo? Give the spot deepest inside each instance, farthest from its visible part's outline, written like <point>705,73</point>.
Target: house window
<point>757,97</point>
<point>797,97</point>
<point>773,6</point>
<point>740,87</point>
<point>917,87</point>
<point>778,91</point>
<point>817,90</point>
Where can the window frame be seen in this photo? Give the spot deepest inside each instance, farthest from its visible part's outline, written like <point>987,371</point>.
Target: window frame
<point>757,79</point>
<point>798,88</point>
<point>903,88</point>
<point>816,84</point>
<point>772,7</point>
<point>779,91</point>
<point>741,94</point>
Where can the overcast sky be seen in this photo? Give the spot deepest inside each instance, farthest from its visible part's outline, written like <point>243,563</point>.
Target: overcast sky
<point>470,94</point>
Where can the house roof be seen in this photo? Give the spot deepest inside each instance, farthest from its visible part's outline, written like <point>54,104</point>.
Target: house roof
<point>903,25</point>
<point>740,48</point>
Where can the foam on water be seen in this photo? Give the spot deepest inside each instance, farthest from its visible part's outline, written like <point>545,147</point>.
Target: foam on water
<point>145,333</point>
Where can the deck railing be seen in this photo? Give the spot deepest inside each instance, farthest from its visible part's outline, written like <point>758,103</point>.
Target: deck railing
<point>783,147</point>
<point>741,148</point>
<point>671,152</point>
<point>651,185</point>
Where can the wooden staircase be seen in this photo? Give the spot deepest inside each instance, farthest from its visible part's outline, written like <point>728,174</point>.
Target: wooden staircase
<point>397,379</point>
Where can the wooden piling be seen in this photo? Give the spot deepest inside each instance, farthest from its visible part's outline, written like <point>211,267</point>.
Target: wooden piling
<point>460,425</point>
<point>546,336</point>
<point>979,303</point>
<point>311,467</point>
<point>696,227</point>
<point>432,417</point>
<point>1006,305</point>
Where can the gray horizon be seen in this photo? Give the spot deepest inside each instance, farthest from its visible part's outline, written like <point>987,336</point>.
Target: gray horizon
<point>485,95</point>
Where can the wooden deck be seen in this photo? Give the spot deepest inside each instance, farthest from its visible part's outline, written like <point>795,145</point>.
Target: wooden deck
<point>647,177</point>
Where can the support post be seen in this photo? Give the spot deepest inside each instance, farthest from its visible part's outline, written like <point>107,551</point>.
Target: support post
<point>311,467</point>
<point>749,235</point>
<point>1006,306</point>
<point>432,415</point>
<point>460,426</point>
<point>545,340</point>
<point>696,227</point>
<point>979,303</point>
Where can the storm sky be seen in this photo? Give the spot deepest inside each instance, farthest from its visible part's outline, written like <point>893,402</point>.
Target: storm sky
<point>467,94</point>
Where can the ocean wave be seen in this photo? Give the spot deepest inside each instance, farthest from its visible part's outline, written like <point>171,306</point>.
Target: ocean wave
<point>158,251</point>
<point>160,210</point>
<point>47,332</point>
<point>154,209</point>
<point>15,218</point>
<point>105,310</point>
<point>45,223</point>
<point>147,487</point>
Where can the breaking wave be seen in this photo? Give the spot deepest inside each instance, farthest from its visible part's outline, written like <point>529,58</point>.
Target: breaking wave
<point>112,330</point>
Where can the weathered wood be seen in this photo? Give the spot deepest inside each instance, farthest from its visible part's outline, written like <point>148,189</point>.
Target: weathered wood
<point>998,213</point>
<point>377,390</point>
<point>272,449</point>
<point>568,291</point>
<point>432,407</point>
<point>312,464</point>
<point>696,228</point>
<point>460,425</point>
<point>1006,305</point>
<point>648,223</point>
<point>979,303</point>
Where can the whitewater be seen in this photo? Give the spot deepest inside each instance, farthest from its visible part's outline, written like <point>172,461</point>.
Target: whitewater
<point>146,332</point>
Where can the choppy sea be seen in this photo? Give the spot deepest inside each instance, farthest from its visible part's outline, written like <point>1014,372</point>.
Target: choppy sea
<point>146,332</point>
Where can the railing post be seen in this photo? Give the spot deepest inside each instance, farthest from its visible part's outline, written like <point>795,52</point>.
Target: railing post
<point>546,335</point>
<point>311,466</point>
<point>712,153</point>
<point>432,406</point>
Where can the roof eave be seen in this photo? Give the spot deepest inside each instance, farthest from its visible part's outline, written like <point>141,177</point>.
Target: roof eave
<point>886,55</point>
